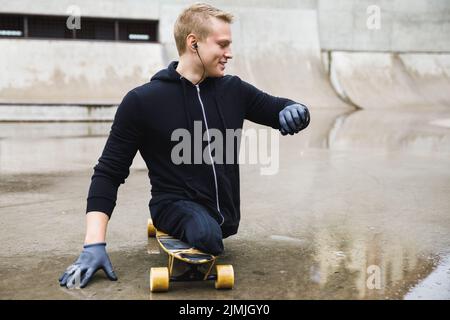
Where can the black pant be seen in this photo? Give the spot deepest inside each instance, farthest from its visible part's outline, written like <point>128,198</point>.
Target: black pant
<point>190,222</point>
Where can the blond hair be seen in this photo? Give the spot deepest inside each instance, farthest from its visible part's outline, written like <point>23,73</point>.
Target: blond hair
<point>196,19</point>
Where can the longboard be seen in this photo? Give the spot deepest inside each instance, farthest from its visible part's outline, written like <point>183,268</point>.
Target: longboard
<point>186,263</point>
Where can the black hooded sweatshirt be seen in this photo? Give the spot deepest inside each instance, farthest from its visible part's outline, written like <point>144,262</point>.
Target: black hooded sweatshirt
<point>145,121</point>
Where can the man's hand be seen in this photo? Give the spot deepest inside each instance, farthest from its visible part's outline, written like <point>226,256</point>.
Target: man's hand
<point>92,258</point>
<point>293,119</point>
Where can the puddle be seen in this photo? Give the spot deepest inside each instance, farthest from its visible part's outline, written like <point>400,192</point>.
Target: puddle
<point>436,286</point>
<point>357,213</point>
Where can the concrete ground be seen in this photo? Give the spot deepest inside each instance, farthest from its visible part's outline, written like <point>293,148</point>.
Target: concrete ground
<point>359,209</point>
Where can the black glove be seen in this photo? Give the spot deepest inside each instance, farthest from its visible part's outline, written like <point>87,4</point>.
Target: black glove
<point>293,119</point>
<point>91,259</point>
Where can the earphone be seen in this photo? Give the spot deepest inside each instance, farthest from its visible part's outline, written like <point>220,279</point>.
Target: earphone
<point>195,46</point>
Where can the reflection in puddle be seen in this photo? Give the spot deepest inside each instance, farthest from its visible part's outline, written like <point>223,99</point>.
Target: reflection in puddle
<point>367,268</point>
<point>331,264</point>
<point>420,130</point>
<point>436,286</point>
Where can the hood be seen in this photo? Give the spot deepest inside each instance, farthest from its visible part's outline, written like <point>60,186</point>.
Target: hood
<point>170,74</point>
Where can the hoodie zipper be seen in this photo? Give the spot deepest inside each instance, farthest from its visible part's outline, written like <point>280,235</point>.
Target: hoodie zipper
<point>210,154</point>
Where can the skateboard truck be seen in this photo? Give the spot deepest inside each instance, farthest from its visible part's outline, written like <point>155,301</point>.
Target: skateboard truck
<point>192,274</point>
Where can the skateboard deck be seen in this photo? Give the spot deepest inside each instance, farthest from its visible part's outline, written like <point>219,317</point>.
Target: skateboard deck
<point>186,263</point>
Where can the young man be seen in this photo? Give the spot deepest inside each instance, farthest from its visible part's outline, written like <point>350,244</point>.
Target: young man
<point>197,202</point>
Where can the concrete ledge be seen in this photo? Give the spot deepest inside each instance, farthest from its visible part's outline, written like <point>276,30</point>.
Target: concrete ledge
<point>56,113</point>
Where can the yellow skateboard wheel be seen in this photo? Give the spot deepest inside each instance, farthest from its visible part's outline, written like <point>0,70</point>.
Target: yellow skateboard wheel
<point>159,279</point>
<point>225,277</point>
<point>151,230</point>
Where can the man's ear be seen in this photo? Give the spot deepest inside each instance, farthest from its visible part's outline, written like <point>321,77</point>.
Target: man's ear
<point>192,41</point>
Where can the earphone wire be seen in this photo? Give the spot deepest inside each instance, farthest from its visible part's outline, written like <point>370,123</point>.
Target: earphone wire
<point>196,50</point>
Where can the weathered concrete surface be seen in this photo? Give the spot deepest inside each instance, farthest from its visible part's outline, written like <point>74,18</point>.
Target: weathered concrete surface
<point>323,219</point>
<point>74,72</point>
<point>59,113</point>
<point>404,25</point>
<point>134,9</point>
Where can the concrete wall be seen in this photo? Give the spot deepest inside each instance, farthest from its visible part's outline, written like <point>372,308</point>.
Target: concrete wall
<point>405,25</point>
<point>73,72</point>
<point>132,9</point>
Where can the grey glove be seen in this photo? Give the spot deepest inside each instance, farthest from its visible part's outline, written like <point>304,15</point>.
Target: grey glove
<point>293,119</point>
<point>91,259</point>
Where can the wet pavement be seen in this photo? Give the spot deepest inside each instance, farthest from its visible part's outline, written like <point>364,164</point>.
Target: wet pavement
<point>359,209</point>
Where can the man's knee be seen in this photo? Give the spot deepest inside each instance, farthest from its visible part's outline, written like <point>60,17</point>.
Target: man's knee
<point>212,245</point>
<point>208,240</point>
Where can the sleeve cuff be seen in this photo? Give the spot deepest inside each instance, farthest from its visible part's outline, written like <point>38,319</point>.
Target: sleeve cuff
<point>100,204</point>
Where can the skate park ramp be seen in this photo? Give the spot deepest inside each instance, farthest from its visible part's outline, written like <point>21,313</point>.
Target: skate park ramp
<point>373,80</point>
